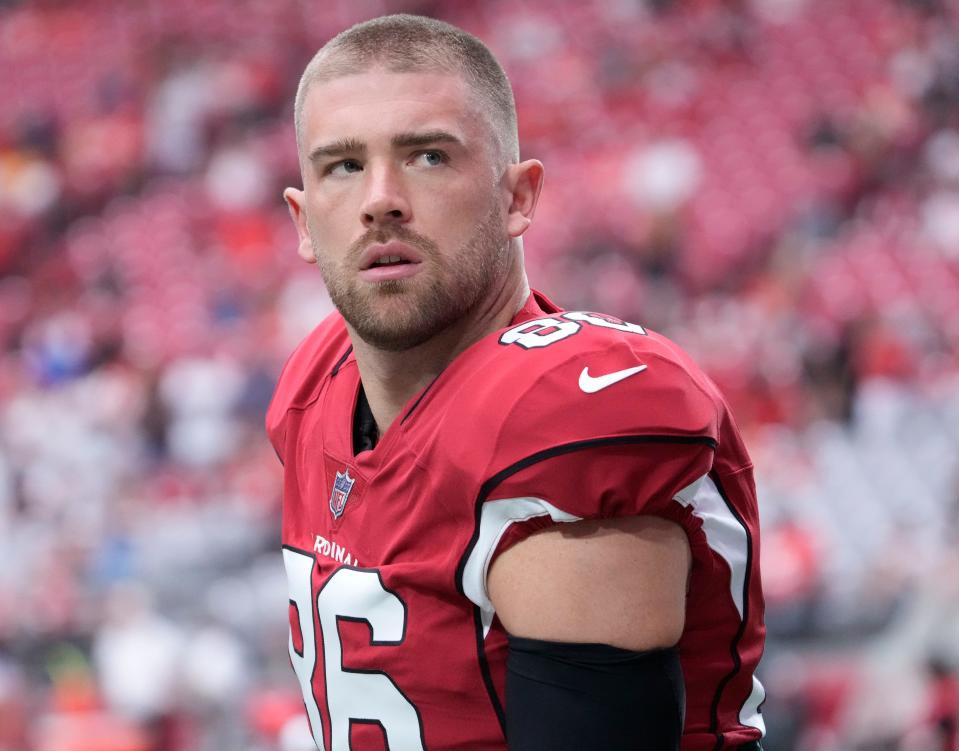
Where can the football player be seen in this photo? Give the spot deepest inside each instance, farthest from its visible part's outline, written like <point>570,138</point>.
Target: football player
<point>505,525</point>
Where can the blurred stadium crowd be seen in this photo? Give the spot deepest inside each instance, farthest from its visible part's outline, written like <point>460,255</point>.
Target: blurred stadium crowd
<point>772,183</point>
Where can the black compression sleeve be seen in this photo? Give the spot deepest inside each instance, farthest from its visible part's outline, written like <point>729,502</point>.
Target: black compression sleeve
<point>563,696</point>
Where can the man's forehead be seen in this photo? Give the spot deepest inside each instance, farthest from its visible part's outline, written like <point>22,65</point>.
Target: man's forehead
<point>382,103</point>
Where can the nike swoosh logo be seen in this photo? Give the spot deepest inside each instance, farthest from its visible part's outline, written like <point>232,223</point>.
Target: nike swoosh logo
<point>592,384</point>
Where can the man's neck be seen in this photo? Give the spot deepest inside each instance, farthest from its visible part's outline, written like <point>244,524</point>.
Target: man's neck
<point>390,379</point>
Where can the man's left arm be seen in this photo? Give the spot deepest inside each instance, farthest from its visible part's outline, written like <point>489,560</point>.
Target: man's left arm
<point>594,610</point>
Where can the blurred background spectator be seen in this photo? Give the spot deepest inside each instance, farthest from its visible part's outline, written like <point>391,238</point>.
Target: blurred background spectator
<point>772,183</point>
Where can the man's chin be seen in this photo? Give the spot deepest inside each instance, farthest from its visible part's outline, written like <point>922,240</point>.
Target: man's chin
<point>392,338</point>
<point>391,287</point>
<point>399,314</point>
<point>397,328</point>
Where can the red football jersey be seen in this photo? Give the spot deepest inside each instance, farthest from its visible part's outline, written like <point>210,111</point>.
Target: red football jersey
<point>560,417</point>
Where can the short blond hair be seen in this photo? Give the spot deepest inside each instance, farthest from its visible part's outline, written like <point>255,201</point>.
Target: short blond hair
<point>406,43</point>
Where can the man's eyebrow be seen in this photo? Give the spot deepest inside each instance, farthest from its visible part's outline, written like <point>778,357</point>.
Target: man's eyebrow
<point>337,148</point>
<point>425,138</point>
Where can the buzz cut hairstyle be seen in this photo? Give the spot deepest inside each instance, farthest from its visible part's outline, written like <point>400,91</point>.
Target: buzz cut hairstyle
<point>405,43</point>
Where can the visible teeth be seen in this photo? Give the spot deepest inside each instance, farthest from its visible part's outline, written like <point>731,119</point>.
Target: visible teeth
<point>388,259</point>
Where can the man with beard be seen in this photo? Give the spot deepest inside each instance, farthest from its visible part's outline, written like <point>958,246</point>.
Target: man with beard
<point>505,525</point>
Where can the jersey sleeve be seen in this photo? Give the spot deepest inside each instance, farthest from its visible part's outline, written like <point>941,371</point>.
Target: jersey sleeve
<point>567,451</point>
<point>634,398</point>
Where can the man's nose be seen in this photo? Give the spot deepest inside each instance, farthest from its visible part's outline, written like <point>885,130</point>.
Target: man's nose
<point>386,201</point>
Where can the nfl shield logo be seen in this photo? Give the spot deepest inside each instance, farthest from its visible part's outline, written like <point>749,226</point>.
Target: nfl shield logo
<point>342,485</point>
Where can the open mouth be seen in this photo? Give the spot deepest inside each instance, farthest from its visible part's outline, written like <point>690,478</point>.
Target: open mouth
<point>389,255</point>
<point>388,261</point>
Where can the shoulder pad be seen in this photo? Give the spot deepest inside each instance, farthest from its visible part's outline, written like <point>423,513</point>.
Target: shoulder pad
<point>578,376</point>
<point>305,371</point>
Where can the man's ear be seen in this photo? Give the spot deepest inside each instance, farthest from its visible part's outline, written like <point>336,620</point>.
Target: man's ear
<point>296,201</point>
<point>525,181</point>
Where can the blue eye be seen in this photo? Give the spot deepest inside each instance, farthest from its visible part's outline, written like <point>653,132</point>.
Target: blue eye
<point>433,158</point>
